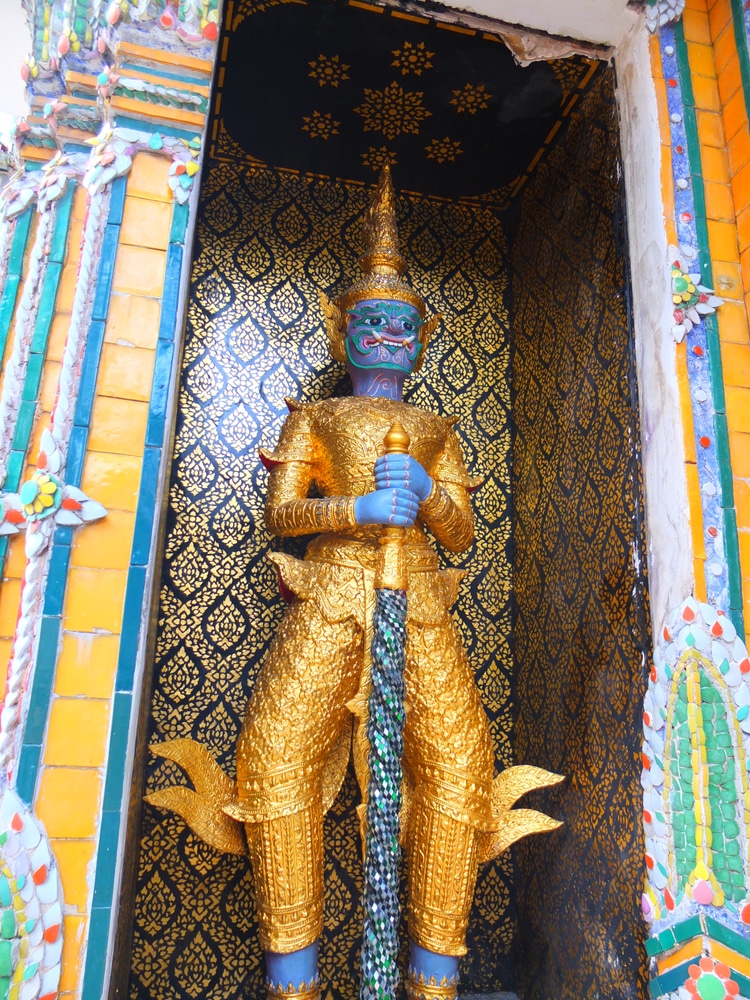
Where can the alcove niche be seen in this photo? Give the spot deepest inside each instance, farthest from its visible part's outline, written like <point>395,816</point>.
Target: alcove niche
<point>511,220</point>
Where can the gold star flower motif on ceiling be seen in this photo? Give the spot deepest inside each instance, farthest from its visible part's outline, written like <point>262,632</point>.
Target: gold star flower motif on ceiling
<point>377,158</point>
<point>443,149</point>
<point>471,99</point>
<point>328,70</point>
<point>412,58</point>
<point>392,111</point>
<point>320,126</point>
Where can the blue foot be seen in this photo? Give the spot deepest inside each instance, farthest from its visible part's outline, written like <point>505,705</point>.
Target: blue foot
<point>430,964</point>
<point>295,967</point>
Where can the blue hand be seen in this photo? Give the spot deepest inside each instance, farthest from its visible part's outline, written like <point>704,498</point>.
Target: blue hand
<point>404,472</point>
<point>398,507</point>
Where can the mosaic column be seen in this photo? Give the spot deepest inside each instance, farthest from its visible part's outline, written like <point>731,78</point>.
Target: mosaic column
<point>696,716</point>
<point>92,282</point>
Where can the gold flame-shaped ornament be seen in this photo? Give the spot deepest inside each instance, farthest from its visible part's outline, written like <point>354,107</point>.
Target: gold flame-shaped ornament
<point>382,269</point>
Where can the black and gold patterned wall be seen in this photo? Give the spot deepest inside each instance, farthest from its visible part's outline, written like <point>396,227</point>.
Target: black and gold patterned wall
<point>285,187</point>
<point>581,627</point>
<point>249,344</point>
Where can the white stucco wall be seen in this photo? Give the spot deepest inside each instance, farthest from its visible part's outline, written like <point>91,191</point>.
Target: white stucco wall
<point>15,42</point>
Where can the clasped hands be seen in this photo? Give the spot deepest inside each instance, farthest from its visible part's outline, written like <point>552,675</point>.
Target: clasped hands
<point>401,485</point>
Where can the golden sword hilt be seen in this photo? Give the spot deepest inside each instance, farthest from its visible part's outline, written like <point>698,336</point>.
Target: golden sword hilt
<point>390,571</point>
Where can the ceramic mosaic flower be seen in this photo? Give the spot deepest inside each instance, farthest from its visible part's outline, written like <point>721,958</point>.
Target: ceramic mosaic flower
<point>711,980</point>
<point>691,300</point>
<point>40,496</point>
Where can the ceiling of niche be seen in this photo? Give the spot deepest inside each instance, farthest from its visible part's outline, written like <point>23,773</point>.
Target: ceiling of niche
<point>332,88</point>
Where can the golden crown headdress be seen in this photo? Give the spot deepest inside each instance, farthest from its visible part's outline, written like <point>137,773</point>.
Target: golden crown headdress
<point>382,272</point>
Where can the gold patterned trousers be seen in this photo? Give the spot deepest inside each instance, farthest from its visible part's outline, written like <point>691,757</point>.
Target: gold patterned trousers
<point>294,718</point>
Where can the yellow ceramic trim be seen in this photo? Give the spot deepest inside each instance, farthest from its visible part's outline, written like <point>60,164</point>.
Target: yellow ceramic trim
<point>690,950</point>
<point>173,60</point>
<point>721,953</point>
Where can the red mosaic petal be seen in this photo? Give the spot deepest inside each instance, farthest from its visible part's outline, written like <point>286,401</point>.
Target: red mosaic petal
<point>668,900</point>
<point>706,964</point>
<point>16,823</point>
<point>745,669</point>
<point>694,970</point>
<point>745,911</point>
<point>722,971</point>
<point>52,933</point>
<point>732,988</point>
<point>40,875</point>
<point>717,629</point>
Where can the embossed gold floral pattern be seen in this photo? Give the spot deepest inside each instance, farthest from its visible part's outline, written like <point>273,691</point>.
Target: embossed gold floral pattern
<point>443,150</point>
<point>329,71</point>
<point>393,111</point>
<point>582,637</point>
<point>412,57</point>
<point>255,335</point>
<point>375,158</point>
<point>471,98</point>
<point>320,125</point>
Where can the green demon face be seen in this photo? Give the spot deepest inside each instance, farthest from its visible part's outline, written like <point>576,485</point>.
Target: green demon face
<point>383,334</point>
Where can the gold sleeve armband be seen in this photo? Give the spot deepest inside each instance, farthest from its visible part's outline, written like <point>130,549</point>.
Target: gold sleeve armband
<point>452,526</point>
<point>305,517</point>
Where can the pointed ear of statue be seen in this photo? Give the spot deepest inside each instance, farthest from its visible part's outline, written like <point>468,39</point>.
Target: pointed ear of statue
<point>425,335</point>
<point>335,323</point>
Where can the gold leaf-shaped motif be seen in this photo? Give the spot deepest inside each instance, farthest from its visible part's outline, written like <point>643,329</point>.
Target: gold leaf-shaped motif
<point>516,824</point>
<point>202,816</point>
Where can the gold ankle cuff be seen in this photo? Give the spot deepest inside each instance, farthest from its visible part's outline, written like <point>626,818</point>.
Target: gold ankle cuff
<point>430,989</point>
<point>311,992</point>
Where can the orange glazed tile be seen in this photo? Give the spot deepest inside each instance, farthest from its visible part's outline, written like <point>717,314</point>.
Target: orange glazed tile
<point>10,597</point>
<point>58,336</point>
<point>80,204</point>
<point>62,787</point>
<point>67,288</point>
<point>113,480</point>
<point>738,409</point>
<point>655,56</point>
<point>667,184</point>
<point>730,79</point>
<point>745,265</point>
<point>738,149</point>
<point>744,537</point>
<point>73,954</point>
<point>727,279</point>
<point>139,271</point>
<point>719,203</point>
<point>696,511</point>
<point>15,561</point>
<point>146,223</point>
<point>696,26</point>
<point>735,360</point>
<point>49,386</point>
<point>739,452</point>
<point>741,188</point>
<point>125,372</point>
<point>743,229</point>
<point>106,544</point>
<point>132,320</point>
<point>75,237</point>
<point>722,240</point>
<point>699,572</point>
<point>735,114</point>
<point>701,60</point>
<point>719,16</point>
<point>724,47</point>
<point>77,732</point>
<point>715,164</point>
<point>94,600</point>
<point>733,323</point>
<point>148,177</point>
<point>87,665</point>
<point>685,407</point>
<point>74,858</point>
<point>118,425</point>
<point>710,129</point>
<point>700,5</point>
<point>706,93</point>
<point>742,503</point>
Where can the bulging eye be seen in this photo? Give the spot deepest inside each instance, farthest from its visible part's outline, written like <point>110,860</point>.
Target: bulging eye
<point>408,326</point>
<point>374,321</point>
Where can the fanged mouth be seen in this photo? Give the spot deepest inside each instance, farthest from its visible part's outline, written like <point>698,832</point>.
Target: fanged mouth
<point>373,339</point>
